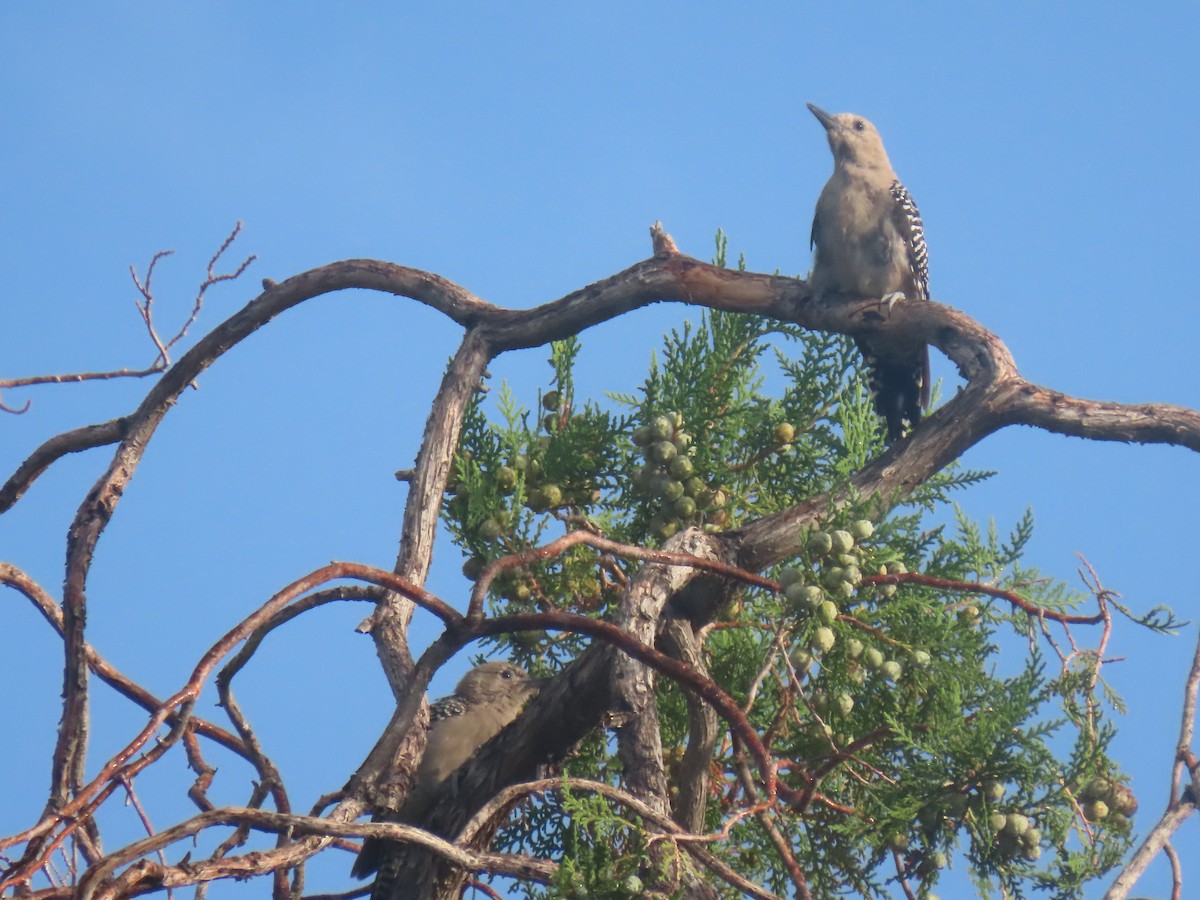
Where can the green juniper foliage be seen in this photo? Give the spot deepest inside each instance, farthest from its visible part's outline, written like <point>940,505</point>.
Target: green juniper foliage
<point>908,739</point>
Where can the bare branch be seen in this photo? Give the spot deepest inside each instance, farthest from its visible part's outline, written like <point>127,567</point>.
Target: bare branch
<point>145,307</point>
<point>54,449</point>
<point>1144,855</point>
<point>389,624</point>
<point>142,815</point>
<point>76,377</point>
<point>1191,690</point>
<point>213,278</point>
<point>1184,799</point>
<point>145,312</point>
<point>24,408</point>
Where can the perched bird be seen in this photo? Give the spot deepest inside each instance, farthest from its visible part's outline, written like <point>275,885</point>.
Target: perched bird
<point>487,698</point>
<point>868,240</point>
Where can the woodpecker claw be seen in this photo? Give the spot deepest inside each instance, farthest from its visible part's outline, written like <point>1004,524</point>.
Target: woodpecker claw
<point>887,301</point>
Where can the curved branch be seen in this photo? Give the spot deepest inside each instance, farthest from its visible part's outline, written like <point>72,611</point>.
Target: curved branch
<point>1025,403</point>
<point>51,451</point>
<point>974,587</point>
<point>1184,799</point>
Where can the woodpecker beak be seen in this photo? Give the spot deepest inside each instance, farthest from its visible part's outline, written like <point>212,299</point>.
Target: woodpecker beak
<point>823,117</point>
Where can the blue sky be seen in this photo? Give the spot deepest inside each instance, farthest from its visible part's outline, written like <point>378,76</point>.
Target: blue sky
<point>523,150</point>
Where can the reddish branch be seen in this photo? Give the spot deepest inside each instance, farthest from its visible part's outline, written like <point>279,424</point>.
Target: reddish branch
<point>974,587</point>
<point>124,686</point>
<point>575,538</point>
<point>268,775</point>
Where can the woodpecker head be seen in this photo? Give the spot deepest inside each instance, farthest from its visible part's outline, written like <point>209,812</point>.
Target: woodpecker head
<point>497,682</point>
<point>852,139</point>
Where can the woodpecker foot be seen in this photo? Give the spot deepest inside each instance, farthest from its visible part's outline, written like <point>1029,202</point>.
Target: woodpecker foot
<point>887,301</point>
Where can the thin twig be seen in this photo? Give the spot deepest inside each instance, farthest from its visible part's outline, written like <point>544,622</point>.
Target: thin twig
<point>1184,799</point>
<point>145,308</point>
<point>587,538</point>
<point>670,830</point>
<point>141,813</point>
<point>4,407</point>
<point>208,282</point>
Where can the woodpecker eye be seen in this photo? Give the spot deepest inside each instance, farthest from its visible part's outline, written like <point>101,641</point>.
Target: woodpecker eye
<point>859,125</point>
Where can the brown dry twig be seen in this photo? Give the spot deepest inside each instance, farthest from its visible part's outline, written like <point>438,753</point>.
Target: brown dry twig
<point>145,307</point>
<point>1184,799</point>
<point>145,312</point>
<point>211,279</point>
<point>142,815</point>
<point>24,408</point>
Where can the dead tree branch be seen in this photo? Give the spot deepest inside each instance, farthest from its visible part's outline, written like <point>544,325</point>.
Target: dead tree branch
<point>146,313</point>
<point>1184,799</point>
